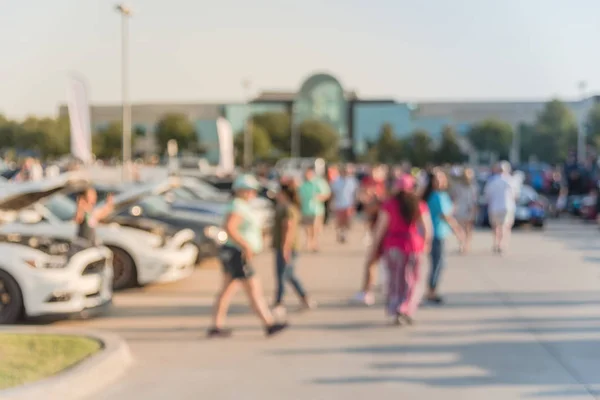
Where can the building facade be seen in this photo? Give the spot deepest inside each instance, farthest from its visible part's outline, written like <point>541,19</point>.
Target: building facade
<point>322,97</point>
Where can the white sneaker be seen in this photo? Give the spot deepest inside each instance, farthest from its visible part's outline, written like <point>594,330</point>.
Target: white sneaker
<point>279,312</point>
<point>364,298</point>
<point>310,305</point>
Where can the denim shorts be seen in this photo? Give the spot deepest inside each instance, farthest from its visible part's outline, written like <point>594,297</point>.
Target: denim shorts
<point>234,263</point>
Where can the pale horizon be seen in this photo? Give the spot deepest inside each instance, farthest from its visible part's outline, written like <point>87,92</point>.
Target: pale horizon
<point>200,52</point>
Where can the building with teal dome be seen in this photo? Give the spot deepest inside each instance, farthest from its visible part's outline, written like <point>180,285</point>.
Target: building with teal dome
<point>322,96</point>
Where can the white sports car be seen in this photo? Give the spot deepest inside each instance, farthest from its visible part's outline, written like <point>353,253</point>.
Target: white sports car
<point>44,274</point>
<point>141,254</point>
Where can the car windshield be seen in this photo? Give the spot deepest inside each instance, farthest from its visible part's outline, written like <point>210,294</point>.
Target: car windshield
<point>183,194</point>
<point>202,189</point>
<point>62,207</point>
<point>155,206</point>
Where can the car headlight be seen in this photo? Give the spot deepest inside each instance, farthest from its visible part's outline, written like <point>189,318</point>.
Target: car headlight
<point>48,263</point>
<point>215,233</point>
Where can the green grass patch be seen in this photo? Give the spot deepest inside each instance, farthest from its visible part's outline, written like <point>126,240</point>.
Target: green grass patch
<point>29,357</point>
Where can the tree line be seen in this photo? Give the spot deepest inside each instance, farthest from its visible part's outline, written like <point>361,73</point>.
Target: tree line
<point>49,138</point>
<point>548,138</point>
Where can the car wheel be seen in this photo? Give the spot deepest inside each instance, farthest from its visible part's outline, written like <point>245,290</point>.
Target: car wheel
<point>11,299</point>
<point>205,250</point>
<point>199,256</point>
<point>124,270</point>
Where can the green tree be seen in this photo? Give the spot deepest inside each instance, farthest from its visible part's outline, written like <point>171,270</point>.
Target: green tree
<point>108,141</point>
<point>318,139</point>
<point>554,132</point>
<point>491,135</point>
<point>419,148</point>
<point>261,144</point>
<point>593,126</point>
<point>32,135</point>
<point>527,137</point>
<point>59,142</point>
<point>370,155</point>
<point>46,136</point>
<point>449,150</point>
<point>388,147</point>
<point>177,127</point>
<point>139,131</point>
<point>277,126</point>
<point>9,131</point>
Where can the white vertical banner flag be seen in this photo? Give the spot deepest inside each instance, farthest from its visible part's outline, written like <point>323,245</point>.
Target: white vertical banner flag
<point>79,115</point>
<point>225,135</point>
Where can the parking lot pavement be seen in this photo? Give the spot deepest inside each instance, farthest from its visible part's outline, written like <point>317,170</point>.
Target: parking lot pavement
<point>523,325</point>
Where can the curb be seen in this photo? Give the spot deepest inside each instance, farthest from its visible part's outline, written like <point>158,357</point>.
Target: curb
<point>83,379</point>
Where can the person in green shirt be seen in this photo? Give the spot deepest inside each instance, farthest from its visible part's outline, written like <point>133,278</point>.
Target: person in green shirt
<point>313,192</point>
<point>244,241</point>
<point>285,244</point>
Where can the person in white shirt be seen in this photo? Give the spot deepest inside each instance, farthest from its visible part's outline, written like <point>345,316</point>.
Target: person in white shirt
<point>36,171</point>
<point>344,190</point>
<point>500,194</point>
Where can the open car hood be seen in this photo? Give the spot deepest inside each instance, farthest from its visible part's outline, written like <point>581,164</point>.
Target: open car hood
<point>136,193</point>
<point>143,224</point>
<point>17,196</point>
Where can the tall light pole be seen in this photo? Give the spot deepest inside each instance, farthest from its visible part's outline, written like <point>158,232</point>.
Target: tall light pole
<point>248,139</point>
<point>581,153</point>
<point>294,133</point>
<point>515,149</point>
<point>125,15</point>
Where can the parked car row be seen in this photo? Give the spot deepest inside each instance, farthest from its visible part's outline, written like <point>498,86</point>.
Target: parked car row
<point>156,232</point>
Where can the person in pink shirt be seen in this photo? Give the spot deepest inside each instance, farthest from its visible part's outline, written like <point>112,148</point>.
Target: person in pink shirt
<point>402,233</point>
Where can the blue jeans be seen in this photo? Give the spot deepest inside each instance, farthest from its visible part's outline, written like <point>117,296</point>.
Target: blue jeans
<point>437,262</point>
<point>285,273</point>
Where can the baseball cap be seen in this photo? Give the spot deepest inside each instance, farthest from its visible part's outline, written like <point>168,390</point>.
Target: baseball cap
<point>405,183</point>
<point>245,182</point>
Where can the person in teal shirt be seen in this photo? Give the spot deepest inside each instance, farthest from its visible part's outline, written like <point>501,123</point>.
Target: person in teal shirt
<point>444,224</point>
<point>313,192</point>
<point>244,242</point>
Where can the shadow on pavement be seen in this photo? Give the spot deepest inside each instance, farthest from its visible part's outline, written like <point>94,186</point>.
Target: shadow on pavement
<point>566,393</point>
<point>452,301</point>
<point>513,320</point>
<point>512,330</point>
<point>122,311</point>
<point>521,299</point>
<point>257,326</point>
<point>500,362</point>
<point>175,290</point>
<point>576,235</point>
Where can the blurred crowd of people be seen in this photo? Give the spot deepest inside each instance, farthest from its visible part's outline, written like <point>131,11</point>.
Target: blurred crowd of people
<point>408,215</point>
<point>32,169</point>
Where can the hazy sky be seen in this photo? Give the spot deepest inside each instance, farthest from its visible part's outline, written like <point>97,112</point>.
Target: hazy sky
<point>200,50</point>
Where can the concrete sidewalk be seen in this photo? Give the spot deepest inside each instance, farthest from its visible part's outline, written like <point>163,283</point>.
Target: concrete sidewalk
<point>523,325</point>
